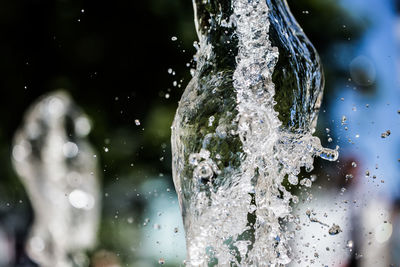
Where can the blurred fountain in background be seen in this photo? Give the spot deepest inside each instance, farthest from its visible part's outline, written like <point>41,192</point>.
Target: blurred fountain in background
<point>58,168</point>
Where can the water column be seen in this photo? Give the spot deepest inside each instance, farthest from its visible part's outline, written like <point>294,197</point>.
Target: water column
<point>243,127</point>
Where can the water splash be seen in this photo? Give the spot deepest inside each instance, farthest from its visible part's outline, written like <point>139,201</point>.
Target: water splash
<point>229,174</point>
<point>56,165</point>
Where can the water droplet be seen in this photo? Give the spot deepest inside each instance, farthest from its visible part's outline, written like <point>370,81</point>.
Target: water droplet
<point>56,107</point>
<point>81,200</point>
<point>335,229</point>
<point>329,154</point>
<point>82,126</point>
<point>344,119</point>
<point>174,38</point>
<point>383,232</point>
<point>313,177</point>
<point>385,134</point>
<point>353,164</point>
<point>137,122</point>
<point>161,261</point>
<point>21,151</point>
<point>70,150</point>
<point>350,245</point>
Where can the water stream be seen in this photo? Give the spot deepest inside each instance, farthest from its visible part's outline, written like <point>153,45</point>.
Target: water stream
<point>244,128</point>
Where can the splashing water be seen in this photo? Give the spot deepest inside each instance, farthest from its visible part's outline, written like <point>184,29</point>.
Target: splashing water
<point>55,162</point>
<point>231,148</point>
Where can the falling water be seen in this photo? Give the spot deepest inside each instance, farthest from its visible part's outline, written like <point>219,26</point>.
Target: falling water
<point>240,131</point>
<point>58,168</point>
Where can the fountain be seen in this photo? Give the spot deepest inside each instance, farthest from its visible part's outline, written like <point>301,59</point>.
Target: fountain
<point>58,168</point>
<point>243,127</point>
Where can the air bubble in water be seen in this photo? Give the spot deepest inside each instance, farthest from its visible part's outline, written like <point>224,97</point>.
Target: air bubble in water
<point>293,179</point>
<point>203,171</point>
<point>306,182</point>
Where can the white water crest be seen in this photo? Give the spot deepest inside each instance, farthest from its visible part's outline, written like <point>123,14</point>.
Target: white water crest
<point>229,170</point>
